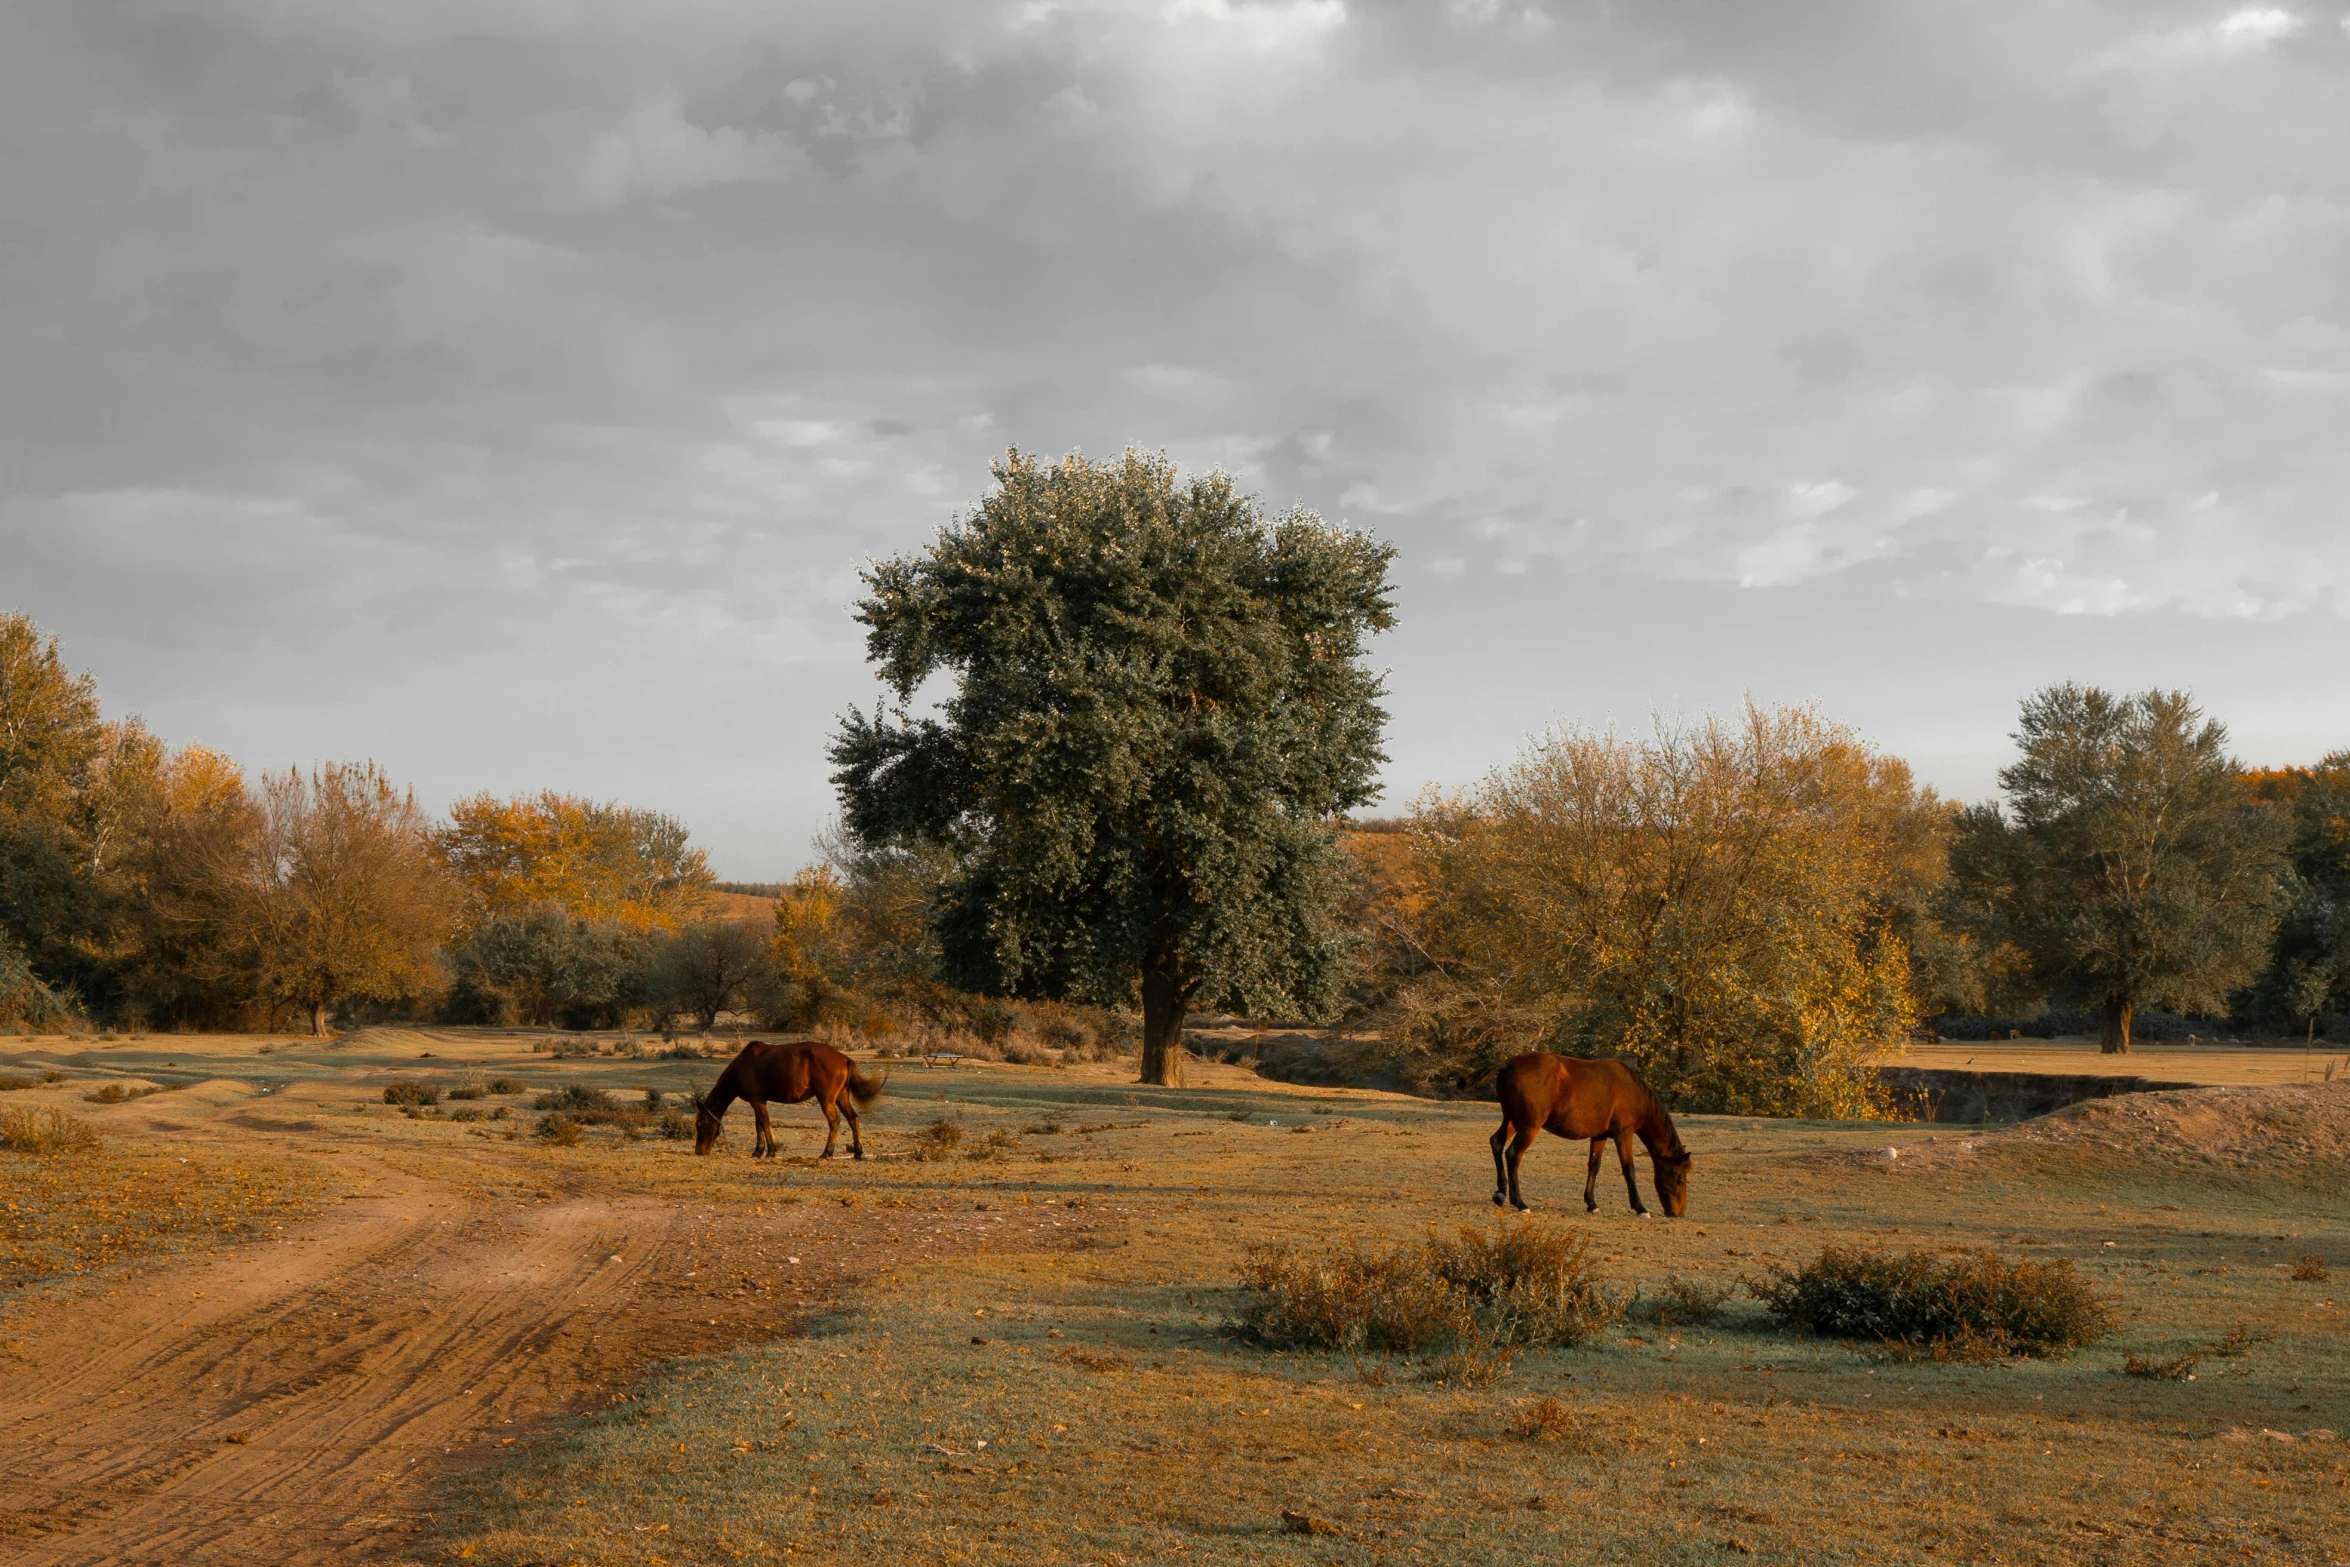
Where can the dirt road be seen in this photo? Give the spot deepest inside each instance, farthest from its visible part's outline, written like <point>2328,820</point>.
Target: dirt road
<point>291,1400</point>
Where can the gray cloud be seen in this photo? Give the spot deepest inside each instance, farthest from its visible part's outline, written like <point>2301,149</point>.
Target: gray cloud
<point>475,383</point>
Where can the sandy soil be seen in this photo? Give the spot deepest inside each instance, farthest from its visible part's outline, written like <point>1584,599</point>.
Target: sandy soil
<point>293,1399</point>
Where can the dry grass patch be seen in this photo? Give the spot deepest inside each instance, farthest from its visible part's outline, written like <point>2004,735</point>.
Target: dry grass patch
<point>45,1132</point>
<point>1959,1305</point>
<point>2310,1269</point>
<point>2179,1368</point>
<point>1680,1302</point>
<point>1522,1284</point>
<point>120,1093</point>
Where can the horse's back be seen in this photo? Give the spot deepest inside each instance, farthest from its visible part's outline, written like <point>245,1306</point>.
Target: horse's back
<point>1571,1096</point>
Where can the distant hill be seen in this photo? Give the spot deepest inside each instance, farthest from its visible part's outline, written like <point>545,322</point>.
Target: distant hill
<point>730,902</point>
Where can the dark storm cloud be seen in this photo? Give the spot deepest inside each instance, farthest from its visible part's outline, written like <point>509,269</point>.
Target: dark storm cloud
<point>478,383</point>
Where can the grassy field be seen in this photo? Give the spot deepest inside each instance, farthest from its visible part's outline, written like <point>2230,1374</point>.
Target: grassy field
<point>1015,1351</point>
<point>1068,1396</point>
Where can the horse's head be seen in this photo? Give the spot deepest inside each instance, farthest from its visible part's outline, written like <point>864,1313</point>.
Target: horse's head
<point>1672,1182</point>
<point>706,1125</point>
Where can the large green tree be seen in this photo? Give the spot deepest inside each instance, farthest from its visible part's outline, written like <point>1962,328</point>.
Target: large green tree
<point>2131,864</point>
<point>1156,708</point>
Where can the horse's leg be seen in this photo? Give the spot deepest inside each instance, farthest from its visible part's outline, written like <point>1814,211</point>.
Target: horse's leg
<point>1631,1176</point>
<point>1501,1174</point>
<point>848,1107</point>
<point>831,1123</point>
<point>766,1142</point>
<point>1591,1178</point>
<point>1518,1146</point>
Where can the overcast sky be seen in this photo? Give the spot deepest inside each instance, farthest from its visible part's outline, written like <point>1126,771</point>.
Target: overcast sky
<point>510,389</point>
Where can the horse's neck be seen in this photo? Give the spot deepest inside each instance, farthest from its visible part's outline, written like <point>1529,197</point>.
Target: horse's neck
<point>1656,1130</point>
<point>721,1094</point>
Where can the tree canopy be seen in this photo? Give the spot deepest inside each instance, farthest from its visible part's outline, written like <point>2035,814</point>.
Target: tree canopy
<point>604,864</point>
<point>1156,708</point>
<point>351,903</point>
<point>1731,906</point>
<point>2131,864</point>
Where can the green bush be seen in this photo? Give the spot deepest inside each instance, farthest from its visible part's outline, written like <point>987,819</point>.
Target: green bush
<point>1966,1305</point>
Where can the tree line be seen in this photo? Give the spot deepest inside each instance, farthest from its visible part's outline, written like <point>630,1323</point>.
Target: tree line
<point>1135,796</point>
<point>146,887</point>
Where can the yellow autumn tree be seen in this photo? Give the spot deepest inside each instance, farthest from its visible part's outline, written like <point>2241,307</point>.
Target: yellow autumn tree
<point>349,902</point>
<point>805,953</point>
<point>1718,904</point>
<point>598,863</point>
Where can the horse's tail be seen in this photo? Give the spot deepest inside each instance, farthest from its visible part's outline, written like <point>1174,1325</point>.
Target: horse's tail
<point>865,1089</point>
<point>1479,1083</point>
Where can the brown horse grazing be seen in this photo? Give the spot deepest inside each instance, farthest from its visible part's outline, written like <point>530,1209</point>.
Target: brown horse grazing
<point>767,1074</point>
<point>1595,1099</point>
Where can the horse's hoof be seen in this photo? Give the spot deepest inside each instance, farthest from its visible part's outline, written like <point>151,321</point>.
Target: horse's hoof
<point>1640,1213</point>
<point>1499,1201</point>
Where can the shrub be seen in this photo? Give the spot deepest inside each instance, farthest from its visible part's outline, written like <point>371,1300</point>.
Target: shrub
<point>1548,1421</point>
<point>46,1132</point>
<point>507,1085</point>
<point>994,1146</point>
<point>937,1140</point>
<point>10,1085</point>
<point>992,1020</point>
<point>470,1085</point>
<point>676,1124</point>
<point>411,1094</point>
<point>2181,1369</point>
<point>577,1100</point>
<point>1481,1292</point>
<point>2310,1269</point>
<point>561,1130</point>
<point>119,1093</point>
<point>1956,1305</point>
<point>1532,1284</point>
<point>1345,1297</point>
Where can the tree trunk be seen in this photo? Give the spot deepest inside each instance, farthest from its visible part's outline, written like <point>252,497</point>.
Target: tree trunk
<point>2115,1039</point>
<point>318,1019</point>
<point>1163,1006</point>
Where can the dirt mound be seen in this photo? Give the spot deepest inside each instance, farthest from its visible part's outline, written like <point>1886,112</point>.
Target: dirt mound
<point>2307,1124</point>
<point>2235,1124</point>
